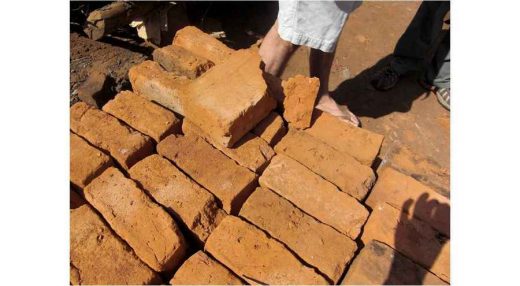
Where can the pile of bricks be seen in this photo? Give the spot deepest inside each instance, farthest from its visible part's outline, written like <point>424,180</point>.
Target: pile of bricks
<point>211,172</point>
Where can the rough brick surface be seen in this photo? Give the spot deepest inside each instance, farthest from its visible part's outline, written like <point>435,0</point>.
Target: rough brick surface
<point>86,162</point>
<point>147,228</point>
<point>378,264</point>
<point>189,203</point>
<point>250,151</point>
<point>271,128</point>
<point>200,269</point>
<point>359,143</point>
<point>230,99</point>
<point>314,195</point>
<point>97,256</point>
<point>152,82</point>
<point>337,167</point>
<point>254,256</point>
<point>300,97</point>
<point>396,188</point>
<point>95,90</point>
<point>181,62</point>
<point>76,200</point>
<point>104,131</point>
<point>143,115</point>
<point>229,182</point>
<point>316,243</point>
<point>411,237</point>
<point>202,44</point>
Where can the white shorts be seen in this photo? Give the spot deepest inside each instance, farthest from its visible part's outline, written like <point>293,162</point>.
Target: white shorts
<point>316,24</point>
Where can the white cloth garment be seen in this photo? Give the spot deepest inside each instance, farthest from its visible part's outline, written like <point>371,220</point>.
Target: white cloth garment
<point>316,24</point>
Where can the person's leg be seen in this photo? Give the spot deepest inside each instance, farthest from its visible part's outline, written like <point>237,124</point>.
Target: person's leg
<point>275,52</point>
<point>320,64</point>
<point>438,73</point>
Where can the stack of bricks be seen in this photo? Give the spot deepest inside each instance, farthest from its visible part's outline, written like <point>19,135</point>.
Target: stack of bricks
<point>194,178</point>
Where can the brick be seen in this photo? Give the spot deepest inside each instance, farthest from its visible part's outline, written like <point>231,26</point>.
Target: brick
<point>250,151</point>
<point>76,200</point>
<point>229,182</point>
<point>181,62</point>
<point>300,97</point>
<point>95,90</point>
<point>339,168</point>
<point>314,195</point>
<point>202,44</point>
<point>152,82</point>
<point>143,224</point>
<point>200,269</point>
<point>396,188</point>
<point>411,237</point>
<point>104,131</point>
<point>257,258</point>
<point>86,162</point>
<point>97,256</point>
<point>322,247</point>
<point>357,142</point>
<point>188,202</point>
<point>143,115</point>
<point>379,264</point>
<point>230,99</point>
<point>271,128</point>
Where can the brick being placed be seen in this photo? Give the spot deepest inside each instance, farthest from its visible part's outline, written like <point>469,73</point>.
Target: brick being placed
<point>411,237</point>
<point>396,189</point>
<point>379,264</point>
<point>271,129</point>
<point>188,202</point>
<point>337,167</point>
<point>257,258</point>
<point>314,195</point>
<point>143,115</point>
<point>316,243</point>
<point>181,62</point>
<point>200,269</point>
<point>300,97</point>
<point>357,142</point>
<point>104,131</point>
<point>152,82</point>
<point>230,99</point>
<point>202,44</point>
<point>143,224</point>
<point>250,151</point>
<point>98,256</point>
<point>86,162</point>
<point>228,181</point>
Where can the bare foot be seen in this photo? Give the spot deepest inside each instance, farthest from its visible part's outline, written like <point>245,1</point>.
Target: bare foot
<point>327,104</point>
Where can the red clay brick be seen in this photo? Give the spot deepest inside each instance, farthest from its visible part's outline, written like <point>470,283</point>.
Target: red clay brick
<point>143,115</point>
<point>189,203</point>
<point>200,269</point>
<point>314,195</point>
<point>97,256</point>
<point>357,142</point>
<point>86,162</point>
<point>250,151</point>
<point>322,246</point>
<point>300,97</point>
<point>229,182</point>
<point>271,128</point>
<point>250,253</point>
<point>378,264</point>
<point>104,131</point>
<point>411,237</point>
<point>152,82</point>
<point>395,189</point>
<point>230,99</point>
<point>202,44</point>
<point>147,228</point>
<point>339,168</point>
<point>181,62</point>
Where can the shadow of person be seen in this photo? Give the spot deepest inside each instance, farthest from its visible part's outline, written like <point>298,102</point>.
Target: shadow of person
<point>365,101</point>
<point>418,241</point>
